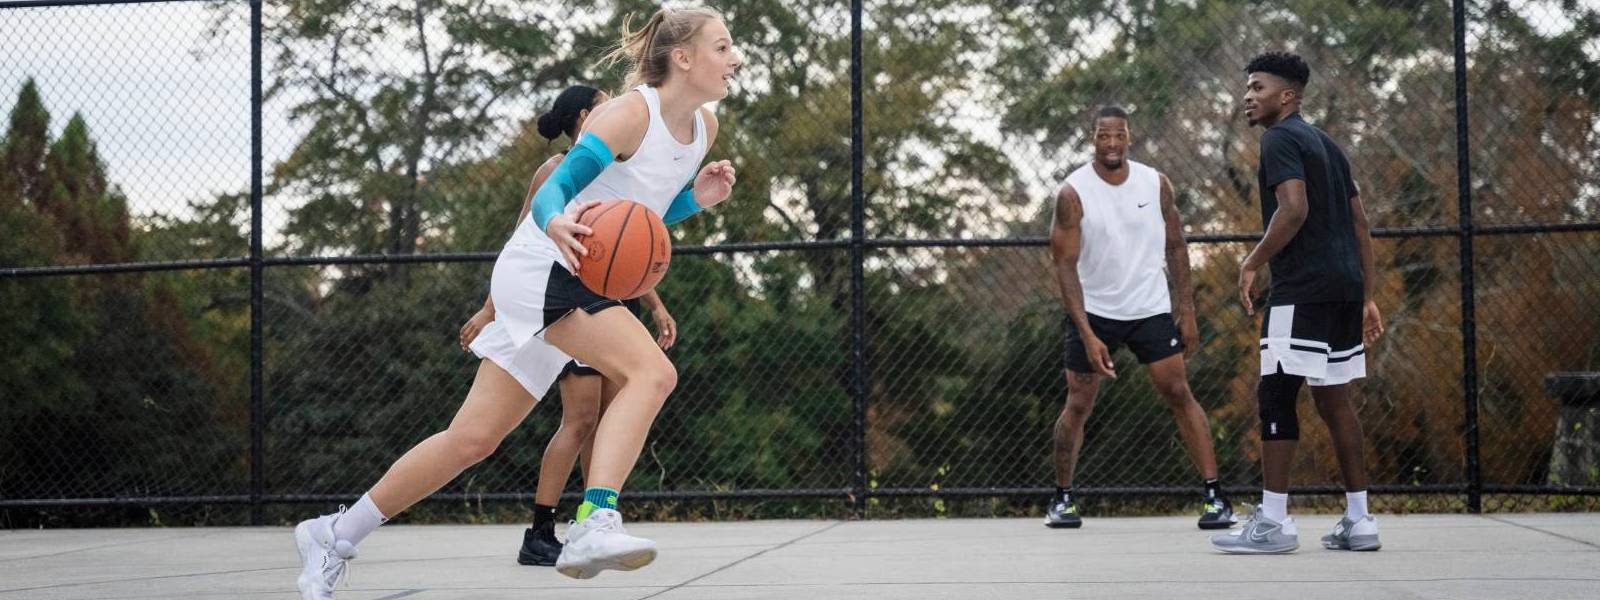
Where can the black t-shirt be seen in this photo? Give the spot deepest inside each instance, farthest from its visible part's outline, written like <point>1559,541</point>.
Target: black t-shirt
<point>1322,262</point>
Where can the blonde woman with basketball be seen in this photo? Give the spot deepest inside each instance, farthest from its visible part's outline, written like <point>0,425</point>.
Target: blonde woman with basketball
<point>584,393</point>
<point>645,145</point>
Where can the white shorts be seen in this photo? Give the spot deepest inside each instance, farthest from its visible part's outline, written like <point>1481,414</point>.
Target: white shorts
<point>531,291</point>
<point>1320,341</point>
<point>535,364</point>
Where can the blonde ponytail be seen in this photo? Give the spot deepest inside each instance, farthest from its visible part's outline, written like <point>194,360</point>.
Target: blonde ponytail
<point>648,51</point>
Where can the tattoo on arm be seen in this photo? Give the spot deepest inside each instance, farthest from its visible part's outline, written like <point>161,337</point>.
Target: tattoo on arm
<point>1177,251</point>
<point>1065,241</point>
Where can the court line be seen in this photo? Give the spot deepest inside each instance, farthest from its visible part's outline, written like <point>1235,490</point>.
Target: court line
<point>742,560</point>
<point>150,578</point>
<point>1544,531</point>
<point>402,594</point>
<point>104,546</point>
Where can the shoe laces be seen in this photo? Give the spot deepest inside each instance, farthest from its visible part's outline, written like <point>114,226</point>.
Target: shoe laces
<point>335,569</point>
<point>609,521</point>
<point>335,564</point>
<point>1249,522</point>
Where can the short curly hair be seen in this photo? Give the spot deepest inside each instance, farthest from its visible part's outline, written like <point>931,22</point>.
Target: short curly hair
<point>1107,111</point>
<point>1287,65</point>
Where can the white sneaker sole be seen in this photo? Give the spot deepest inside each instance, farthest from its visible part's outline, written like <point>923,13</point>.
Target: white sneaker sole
<point>1253,550</point>
<point>303,544</point>
<point>1355,545</point>
<point>626,561</point>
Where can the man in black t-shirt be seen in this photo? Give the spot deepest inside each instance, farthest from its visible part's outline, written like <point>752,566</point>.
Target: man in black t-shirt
<point>1320,308</point>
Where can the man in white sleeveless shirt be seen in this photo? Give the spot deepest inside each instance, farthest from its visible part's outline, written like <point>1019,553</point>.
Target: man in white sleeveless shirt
<point>1115,227</point>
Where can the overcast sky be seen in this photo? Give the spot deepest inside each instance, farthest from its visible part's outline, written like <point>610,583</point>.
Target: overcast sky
<point>172,126</point>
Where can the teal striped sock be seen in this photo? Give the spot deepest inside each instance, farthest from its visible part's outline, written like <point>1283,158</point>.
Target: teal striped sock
<point>596,498</point>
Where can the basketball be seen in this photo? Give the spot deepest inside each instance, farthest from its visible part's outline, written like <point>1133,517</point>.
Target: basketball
<point>628,252</point>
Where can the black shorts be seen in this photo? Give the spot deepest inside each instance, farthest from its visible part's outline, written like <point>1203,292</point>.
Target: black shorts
<point>1319,341</point>
<point>577,368</point>
<point>564,293</point>
<point>1151,339</point>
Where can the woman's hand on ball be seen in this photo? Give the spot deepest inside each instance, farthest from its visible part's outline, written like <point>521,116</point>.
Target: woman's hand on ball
<point>564,231</point>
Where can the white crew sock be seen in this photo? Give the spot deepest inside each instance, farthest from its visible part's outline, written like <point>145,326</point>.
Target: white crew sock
<point>359,521</point>
<point>1355,505</point>
<point>1274,505</point>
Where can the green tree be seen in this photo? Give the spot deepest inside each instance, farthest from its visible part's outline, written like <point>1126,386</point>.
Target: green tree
<point>27,138</point>
<point>32,350</point>
<point>107,392</point>
<point>387,92</point>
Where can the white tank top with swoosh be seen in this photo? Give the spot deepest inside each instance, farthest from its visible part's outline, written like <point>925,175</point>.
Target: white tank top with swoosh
<point>653,176</point>
<point>1122,255</point>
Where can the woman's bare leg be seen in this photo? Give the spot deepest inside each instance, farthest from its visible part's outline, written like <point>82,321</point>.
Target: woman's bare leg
<point>617,344</point>
<point>580,412</point>
<point>494,407</point>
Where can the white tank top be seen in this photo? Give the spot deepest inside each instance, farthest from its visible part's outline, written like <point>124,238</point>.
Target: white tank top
<point>1122,257</point>
<point>653,176</point>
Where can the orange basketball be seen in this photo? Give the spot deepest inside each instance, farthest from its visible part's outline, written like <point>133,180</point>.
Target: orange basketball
<point>628,252</point>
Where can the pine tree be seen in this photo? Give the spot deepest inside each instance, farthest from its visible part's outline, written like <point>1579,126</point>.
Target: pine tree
<point>90,213</point>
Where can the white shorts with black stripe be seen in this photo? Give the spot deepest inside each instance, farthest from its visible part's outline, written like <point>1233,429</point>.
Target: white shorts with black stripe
<point>1320,341</point>
<point>532,290</point>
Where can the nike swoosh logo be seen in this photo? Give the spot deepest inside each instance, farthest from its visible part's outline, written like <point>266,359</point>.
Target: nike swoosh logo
<point>1144,205</point>
<point>1259,535</point>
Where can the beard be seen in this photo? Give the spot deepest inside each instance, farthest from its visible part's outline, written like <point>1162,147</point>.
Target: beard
<point>1259,116</point>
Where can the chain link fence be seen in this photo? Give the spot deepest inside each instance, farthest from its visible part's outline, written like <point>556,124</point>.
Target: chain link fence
<point>229,282</point>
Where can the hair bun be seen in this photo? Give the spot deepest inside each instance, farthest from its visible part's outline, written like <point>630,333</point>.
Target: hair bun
<point>549,126</point>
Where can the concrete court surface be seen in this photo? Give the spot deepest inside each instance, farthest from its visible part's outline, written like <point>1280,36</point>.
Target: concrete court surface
<point>1542,556</point>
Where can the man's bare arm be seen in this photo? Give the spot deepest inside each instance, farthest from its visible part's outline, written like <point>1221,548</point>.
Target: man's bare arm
<point>1066,240</point>
<point>1177,252</point>
<point>1286,222</point>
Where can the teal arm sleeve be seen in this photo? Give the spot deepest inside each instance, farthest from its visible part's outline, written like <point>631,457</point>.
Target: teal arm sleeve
<point>683,206</point>
<point>582,165</point>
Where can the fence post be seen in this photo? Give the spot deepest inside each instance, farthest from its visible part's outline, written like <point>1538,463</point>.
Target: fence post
<point>257,412</point>
<point>1469,329</point>
<point>858,292</point>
